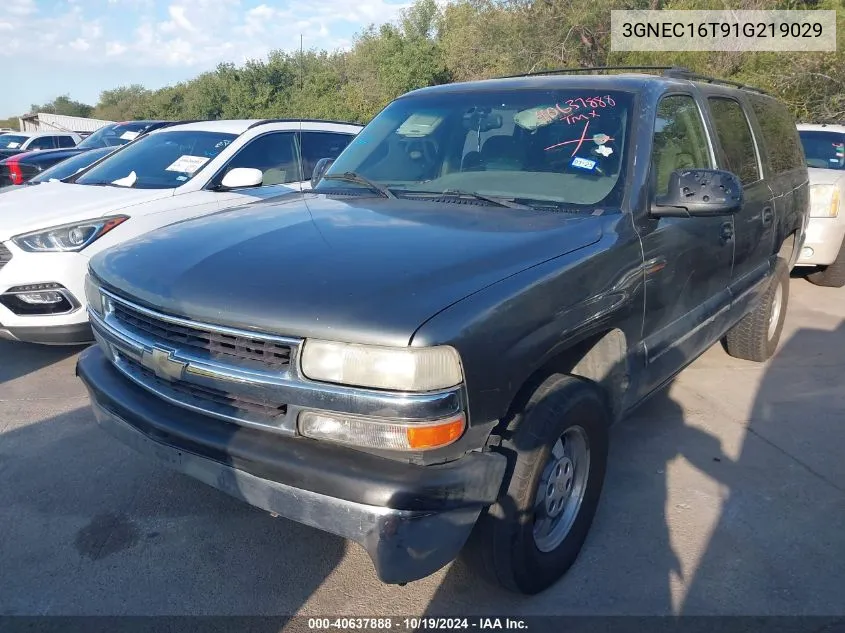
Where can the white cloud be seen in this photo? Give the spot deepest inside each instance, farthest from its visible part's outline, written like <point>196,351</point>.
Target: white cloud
<point>192,35</point>
<point>79,44</point>
<point>19,7</point>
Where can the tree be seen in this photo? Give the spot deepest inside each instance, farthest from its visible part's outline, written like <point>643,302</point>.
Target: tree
<point>122,103</point>
<point>64,105</point>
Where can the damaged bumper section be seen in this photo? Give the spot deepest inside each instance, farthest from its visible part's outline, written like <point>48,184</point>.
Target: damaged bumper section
<point>411,519</point>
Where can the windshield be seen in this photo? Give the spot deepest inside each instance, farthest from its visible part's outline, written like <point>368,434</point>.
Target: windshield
<point>12,141</point>
<point>113,135</point>
<point>824,150</point>
<point>72,165</point>
<point>164,160</point>
<point>553,146</point>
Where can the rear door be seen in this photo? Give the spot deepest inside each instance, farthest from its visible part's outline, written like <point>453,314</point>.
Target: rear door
<point>754,225</point>
<point>316,145</point>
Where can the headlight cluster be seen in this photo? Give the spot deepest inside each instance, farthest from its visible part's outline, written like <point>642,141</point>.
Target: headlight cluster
<point>396,368</point>
<point>93,295</point>
<point>67,237</point>
<point>824,201</point>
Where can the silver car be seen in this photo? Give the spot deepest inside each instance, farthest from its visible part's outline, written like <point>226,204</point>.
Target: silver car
<point>824,246</point>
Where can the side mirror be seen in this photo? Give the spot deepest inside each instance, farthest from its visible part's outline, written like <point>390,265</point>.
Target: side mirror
<point>320,170</point>
<point>242,177</point>
<point>699,193</point>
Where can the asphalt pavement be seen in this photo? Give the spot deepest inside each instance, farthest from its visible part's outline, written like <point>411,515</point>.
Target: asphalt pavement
<point>725,495</point>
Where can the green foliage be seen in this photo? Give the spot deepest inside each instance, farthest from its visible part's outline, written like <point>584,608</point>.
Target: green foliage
<point>64,105</point>
<point>10,122</point>
<point>464,40</point>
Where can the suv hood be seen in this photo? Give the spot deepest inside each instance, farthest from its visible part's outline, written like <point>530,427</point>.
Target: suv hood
<point>53,203</point>
<point>826,176</point>
<point>361,270</point>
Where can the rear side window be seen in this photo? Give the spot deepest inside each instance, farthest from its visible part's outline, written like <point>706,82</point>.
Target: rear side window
<point>824,150</point>
<point>679,139</point>
<point>735,138</point>
<point>43,142</point>
<point>780,138</point>
<point>66,141</point>
<point>317,145</point>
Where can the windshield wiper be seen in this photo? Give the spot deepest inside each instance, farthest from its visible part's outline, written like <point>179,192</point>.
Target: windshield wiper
<point>351,176</point>
<point>497,200</point>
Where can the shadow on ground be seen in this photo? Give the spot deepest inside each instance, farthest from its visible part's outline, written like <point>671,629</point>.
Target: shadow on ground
<point>20,359</point>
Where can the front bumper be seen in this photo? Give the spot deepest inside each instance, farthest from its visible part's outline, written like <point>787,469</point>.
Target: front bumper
<point>823,241</point>
<point>412,520</point>
<point>65,269</point>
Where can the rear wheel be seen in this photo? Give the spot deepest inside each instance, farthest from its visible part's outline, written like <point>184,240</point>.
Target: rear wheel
<point>558,445</point>
<point>757,335</point>
<point>832,275</point>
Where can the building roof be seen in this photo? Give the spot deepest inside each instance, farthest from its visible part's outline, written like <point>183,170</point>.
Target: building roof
<point>44,121</point>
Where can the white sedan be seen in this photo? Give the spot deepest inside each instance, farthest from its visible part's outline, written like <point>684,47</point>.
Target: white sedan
<point>48,233</point>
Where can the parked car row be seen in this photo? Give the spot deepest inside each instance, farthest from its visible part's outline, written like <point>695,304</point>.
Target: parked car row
<point>416,335</point>
<point>13,143</point>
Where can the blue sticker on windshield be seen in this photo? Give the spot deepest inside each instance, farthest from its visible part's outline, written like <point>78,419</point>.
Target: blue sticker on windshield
<point>583,163</point>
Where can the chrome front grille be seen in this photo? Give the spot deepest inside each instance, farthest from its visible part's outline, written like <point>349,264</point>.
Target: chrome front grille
<point>238,348</point>
<point>199,396</point>
<point>231,374</point>
<point>5,256</point>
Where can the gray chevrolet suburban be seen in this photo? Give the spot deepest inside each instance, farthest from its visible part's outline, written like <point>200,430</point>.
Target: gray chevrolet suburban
<point>427,350</point>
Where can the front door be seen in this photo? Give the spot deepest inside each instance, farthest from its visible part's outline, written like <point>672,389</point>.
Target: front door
<point>687,260</point>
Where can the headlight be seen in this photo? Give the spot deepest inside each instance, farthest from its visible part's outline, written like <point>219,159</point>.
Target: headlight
<point>824,201</point>
<point>93,295</point>
<point>67,237</point>
<point>397,368</point>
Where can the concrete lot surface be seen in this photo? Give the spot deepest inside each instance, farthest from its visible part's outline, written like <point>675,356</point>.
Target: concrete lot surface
<point>725,495</point>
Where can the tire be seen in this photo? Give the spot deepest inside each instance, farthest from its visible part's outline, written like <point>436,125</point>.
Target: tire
<point>757,335</point>
<point>832,275</point>
<point>503,545</point>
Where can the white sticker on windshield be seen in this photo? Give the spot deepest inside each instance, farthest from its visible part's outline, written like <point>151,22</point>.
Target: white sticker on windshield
<point>129,181</point>
<point>129,136</point>
<point>188,164</point>
<point>13,145</point>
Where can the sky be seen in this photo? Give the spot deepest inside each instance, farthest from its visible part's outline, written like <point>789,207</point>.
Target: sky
<point>80,47</point>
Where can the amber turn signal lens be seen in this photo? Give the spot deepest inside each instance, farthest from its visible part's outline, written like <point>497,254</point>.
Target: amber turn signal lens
<point>424,437</point>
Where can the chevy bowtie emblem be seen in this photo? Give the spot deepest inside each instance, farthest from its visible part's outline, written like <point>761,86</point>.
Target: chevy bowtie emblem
<point>163,364</point>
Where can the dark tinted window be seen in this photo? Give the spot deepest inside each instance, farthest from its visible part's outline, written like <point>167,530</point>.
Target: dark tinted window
<point>43,142</point>
<point>780,137</point>
<point>274,154</point>
<point>317,145</point>
<point>825,150</point>
<point>735,138</point>
<point>679,139</point>
<point>72,165</point>
<point>66,141</point>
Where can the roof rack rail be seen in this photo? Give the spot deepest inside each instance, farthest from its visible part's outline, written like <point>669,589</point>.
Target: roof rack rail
<point>585,69</point>
<point>685,73</point>
<point>268,121</point>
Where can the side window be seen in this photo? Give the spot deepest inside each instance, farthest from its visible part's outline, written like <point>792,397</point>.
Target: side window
<point>66,141</point>
<point>317,145</point>
<point>42,142</point>
<point>679,139</point>
<point>274,154</point>
<point>735,138</point>
<point>780,137</point>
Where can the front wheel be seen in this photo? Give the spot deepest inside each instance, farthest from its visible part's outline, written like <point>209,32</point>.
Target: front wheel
<point>558,446</point>
<point>757,335</point>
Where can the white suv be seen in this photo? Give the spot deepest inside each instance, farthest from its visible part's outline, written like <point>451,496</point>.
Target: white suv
<point>48,233</point>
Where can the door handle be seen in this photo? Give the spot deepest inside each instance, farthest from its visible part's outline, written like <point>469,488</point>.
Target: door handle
<point>768,216</point>
<point>726,232</point>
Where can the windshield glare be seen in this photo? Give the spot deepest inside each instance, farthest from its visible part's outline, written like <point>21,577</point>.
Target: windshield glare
<point>164,160</point>
<point>113,135</point>
<point>824,150</point>
<point>560,146</point>
<point>11,141</point>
